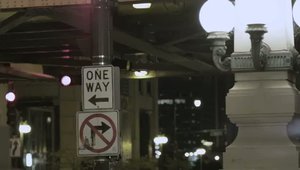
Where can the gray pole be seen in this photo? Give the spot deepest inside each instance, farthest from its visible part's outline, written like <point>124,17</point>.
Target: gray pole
<point>101,32</point>
<point>216,93</point>
<point>101,49</point>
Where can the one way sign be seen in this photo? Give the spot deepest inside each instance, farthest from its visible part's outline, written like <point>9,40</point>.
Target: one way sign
<point>101,87</point>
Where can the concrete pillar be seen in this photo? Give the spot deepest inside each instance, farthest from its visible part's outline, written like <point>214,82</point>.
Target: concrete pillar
<point>135,109</point>
<point>261,104</point>
<point>70,98</point>
<point>4,131</point>
<point>139,99</point>
<point>154,116</point>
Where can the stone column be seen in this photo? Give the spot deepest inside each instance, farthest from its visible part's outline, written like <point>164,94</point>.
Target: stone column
<point>261,104</point>
<point>70,98</point>
<point>4,131</point>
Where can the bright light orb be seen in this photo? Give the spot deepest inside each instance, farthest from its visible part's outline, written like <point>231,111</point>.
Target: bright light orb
<point>141,73</point>
<point>296,12</point>
<point>200,151</point>
<point>24,128</point>
<point>49,120</point>
<point>217,15</point>
<point>28,159</point>
<point>65,80</point>
<point>197,103</point>
<point>10,96</point>
<point>141,5</point>
<point>160,140</point>
<point>207,143</point>
<point>158,153</point>
<point>217,157</point>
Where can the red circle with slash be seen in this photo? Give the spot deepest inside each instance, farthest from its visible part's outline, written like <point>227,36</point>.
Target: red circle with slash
<point>108,143</point>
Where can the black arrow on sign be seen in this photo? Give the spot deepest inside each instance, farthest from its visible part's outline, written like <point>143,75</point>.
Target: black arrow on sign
<point>104,127</point>
<point>15,147</point>
<point>94,100</point>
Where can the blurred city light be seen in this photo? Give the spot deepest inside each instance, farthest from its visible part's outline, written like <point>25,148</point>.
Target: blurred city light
<point>200,151</point>
<point>158,153</point>
<point>28,160</point>
<point>49,120</point>
<point>217,157</point>
<point>10,96</point>
<point>141,5</point>
<point>207,143</point>
<point>141,73</point>
<point>24,128</point>
<point>197,102</point>
<point>66,80</point>
<point>160,140</point>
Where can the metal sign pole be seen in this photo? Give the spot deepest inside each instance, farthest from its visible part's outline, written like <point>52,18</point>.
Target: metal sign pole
<point>101,38</point>
<point>101,164</point>
<point>101,50</point>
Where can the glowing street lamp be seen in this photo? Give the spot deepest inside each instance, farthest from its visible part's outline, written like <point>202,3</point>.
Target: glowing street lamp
<point>66,80</point>
<point>10,96</point>
<point>200,151</point>
<point>197,102</point>
<point>160,140</point>
<point>263,43</point>
<point>141,73</point>
<point>250,18</point>
<point>24,128</point>
<point>296,14</point>
<point>221,21</point>
<point>141,5</point>
<point>217,157</point>
<point>28,160</point>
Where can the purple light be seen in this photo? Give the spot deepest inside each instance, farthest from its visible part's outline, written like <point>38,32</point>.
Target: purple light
<point>65,80</point>
<point>10,96</point>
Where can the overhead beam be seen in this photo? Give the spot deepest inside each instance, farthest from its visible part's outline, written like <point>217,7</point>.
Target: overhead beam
<point>13,21</point>
<point>185,38</point>
<point>8,4</point>
<point>73,61</point>
<point>135,43</point>
<point>141,45</point>
<point>23,74</point>
<point>73,16</point>
<point>42,35</point>
<point>5,45</point>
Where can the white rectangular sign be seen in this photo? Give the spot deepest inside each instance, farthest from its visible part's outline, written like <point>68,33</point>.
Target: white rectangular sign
<point>98,133</point>
<point>15,147</point>
<point>101,87</point>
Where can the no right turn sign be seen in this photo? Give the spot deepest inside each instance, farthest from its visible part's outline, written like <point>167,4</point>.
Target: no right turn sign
<point>98,133</point>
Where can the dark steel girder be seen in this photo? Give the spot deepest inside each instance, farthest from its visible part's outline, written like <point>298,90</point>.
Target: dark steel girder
<point>14,21</point>
<point>143,46</point>
<point>36,46</point>
<point>52,61</point>
<point>136,43</point>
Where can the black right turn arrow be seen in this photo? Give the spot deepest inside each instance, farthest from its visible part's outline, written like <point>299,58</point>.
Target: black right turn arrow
<point>104,127</point>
